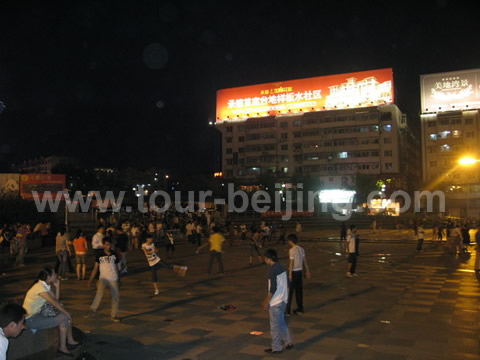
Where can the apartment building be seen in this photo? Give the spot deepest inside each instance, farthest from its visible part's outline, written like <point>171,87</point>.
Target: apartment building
<point>355,129</point>
<point>450,124</point>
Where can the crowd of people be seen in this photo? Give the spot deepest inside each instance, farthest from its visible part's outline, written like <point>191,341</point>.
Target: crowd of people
<point>115,238</point>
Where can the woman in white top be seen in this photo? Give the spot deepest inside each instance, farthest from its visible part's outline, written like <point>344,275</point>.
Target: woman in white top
<point>40,314</point>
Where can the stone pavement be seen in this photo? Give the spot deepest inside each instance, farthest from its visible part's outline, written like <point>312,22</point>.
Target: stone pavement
<point>403,305</point>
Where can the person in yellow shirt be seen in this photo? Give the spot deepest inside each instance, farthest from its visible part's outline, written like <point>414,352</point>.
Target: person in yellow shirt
<point>215,241</point>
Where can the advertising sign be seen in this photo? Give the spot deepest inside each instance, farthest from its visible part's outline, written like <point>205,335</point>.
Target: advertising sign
<point>9,184</point>
<point>458,90</point>
<point>41,183</point>
<point>360,89</point>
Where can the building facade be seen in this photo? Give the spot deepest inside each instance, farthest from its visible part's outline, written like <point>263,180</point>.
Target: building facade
<point>334,145</point>
<point>450,124</point>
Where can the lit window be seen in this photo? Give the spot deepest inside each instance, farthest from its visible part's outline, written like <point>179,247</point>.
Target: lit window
<point>387,127</point>
<point>445,147</point>
<point>343,155</point>
<point>443,134</point>
<point>456,133</point>
<point>433,137</point>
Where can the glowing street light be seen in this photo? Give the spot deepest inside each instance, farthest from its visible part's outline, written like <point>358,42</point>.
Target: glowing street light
<point>467,161</point>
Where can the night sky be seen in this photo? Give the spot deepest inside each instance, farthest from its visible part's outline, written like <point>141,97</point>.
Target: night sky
<point>132,83</point>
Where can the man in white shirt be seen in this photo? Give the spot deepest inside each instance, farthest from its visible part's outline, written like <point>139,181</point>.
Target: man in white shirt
<point>295,274</point>
<point>12,317</point>
<point>97,240</point>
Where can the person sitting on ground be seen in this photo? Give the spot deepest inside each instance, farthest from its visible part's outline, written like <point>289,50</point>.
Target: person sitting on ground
<point>44,310</point>
<point>12,317</point>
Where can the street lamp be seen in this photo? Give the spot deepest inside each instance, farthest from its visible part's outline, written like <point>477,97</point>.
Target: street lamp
<point>467,161</point>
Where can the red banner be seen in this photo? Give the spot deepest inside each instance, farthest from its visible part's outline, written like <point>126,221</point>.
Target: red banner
<point>41,183</point>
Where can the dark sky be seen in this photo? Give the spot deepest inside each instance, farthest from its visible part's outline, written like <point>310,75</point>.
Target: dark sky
<point>132,83</point>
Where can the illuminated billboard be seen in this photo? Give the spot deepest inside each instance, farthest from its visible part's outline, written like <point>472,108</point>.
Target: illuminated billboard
<point>41,183</point>
<point>457,90</point>
<point>360,89</point>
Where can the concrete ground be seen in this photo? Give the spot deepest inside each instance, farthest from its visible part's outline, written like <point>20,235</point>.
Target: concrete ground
<point>403,304</point>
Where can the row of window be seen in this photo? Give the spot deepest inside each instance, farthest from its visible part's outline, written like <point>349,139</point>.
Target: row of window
<point>330,168</point>
<point>448,148</point>
<point>447,134</point>
<point>340,155</point>
<point>449,121</point>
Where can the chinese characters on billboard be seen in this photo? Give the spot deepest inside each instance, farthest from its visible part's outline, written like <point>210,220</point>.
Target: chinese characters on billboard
<point>41,183</point>
<point>360,89</point>
<point>458,90</point>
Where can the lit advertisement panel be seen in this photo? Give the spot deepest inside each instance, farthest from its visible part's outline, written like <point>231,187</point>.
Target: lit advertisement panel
<point>359,89</point>
<point>41,183</point>
<point>457,90</point>
<point>337,196</point>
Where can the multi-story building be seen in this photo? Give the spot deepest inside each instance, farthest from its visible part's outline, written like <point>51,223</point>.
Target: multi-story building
<point>42,165</point>
<point>335,142</point>
<point>450,124</point>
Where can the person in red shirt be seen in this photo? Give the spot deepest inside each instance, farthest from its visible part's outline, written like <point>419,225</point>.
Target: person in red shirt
<point>81,248</point>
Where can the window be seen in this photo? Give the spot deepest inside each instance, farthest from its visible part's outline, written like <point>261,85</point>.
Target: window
<point>297,147</point>
<point>456,133</point>
<point>241,150</point>
<point>284,147</point>
<point>297,134</point>
<point>364,129</point>
<point>388,166</point>
<point>241,138</point>
<point>444,122</point>
<point>229,161</point>
<point>443,134</point>
<point>284,136</point>
<point>456,121</point>
<point>433,137</point>
<point>387,140</point>
<point>343,155</point>
<point>386,116</point>
<point>229,128</point>
<point>470,134</point>
<point>468,121</point>
<point>374,153</point>
<point>375,128</point>
<point>387,153</point>
<point>387,127</point>
<point>284,124</point>
<point>432,123</point>
<point>297,123</point>
<point>228,140</point>
<point>229,150</point>
<point>445,147</point>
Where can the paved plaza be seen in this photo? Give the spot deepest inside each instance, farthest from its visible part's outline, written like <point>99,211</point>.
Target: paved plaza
<point>403,304</point>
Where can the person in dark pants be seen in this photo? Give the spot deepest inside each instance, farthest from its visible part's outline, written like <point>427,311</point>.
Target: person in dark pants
<point>351,252</point>
<point>295,274</point>
<point>215,241</point>
<point>343,232</point>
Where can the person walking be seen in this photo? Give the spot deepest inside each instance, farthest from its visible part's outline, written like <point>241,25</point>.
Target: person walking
<point>81,247</point>
<point>456,235</point>
<point>63,252</point>
<point>107,268</point>
<point>351,251</point>
<point>477,248</point>
<point>254,247</point>
<point>420,237</point>
<point>297,262</point>
<point>21,242</point>
<point>275,303</point>
<point>97,240</point>
<point>215,241</point>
